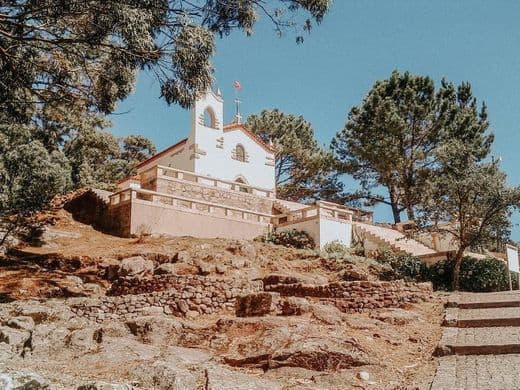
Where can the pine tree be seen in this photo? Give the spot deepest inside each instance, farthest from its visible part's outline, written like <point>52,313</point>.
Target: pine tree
<point>390,139</point>
<point>304,170</point>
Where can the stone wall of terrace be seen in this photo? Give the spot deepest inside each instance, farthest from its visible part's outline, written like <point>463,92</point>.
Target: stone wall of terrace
<point>189,185</point>
<point>358,295</point>
<point>188,295</point>
<point>175,215</point>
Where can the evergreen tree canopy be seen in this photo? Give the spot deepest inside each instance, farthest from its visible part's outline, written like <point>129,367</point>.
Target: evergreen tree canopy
<point>303,169</point>
<point>86,53</point>
<point>469,201</point>
<point>391,138</point>
<point>30,176</point>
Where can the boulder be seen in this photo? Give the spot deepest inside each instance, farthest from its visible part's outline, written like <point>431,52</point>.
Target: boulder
<point>15,338</point>
<point>86,339</point>
<point>238,262</point>
<point>74,279</point>
<point>327,313</point>
<point>182,257</point>
<point>23,380</point>
<point>204,268</point>
<point>164,376</point>
<point>48,339</point>
<point>21,322</point>
<point>166,268</point>
<point>294,306</point>
<point>320,355</point>
<point>109,268</point>
<point>247,249</point>
<point>93,289</point>
<point>253,305</point>
<point>135,266</point>
<point>154,330</point>
<point>180,369</point>
<point>353,273</point>
<point>280,279</point>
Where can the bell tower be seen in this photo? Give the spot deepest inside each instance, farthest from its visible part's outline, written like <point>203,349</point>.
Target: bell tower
<point>207,135</point>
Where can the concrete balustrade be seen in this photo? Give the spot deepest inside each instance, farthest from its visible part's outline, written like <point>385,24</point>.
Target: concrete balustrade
<point>180,202</point>
<point>320,209</point>
<point>162,172</point>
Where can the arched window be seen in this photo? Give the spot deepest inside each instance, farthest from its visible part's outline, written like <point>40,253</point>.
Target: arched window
<point>240,153</point>
<point>209,118</point>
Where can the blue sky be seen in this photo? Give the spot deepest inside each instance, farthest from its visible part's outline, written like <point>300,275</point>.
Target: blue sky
<point>359,42</point>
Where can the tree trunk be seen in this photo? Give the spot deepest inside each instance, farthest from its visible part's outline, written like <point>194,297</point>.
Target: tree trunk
<point>455,285</point>
<point>410,212</point>
<point>394,205</point>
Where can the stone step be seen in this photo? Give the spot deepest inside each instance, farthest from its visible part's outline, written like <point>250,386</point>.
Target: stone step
<point>479,341</point>
<point>482,372</point>
<point>479,318</point>
<point>485,300</point>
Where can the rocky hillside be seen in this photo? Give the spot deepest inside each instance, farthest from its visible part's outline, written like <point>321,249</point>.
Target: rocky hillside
<point>85,310</point>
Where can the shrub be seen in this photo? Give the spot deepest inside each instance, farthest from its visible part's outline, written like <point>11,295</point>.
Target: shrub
<point>440,274</point>
<point>291,238</point>
<point>483,275</point>
<point>514,280</point>
<point>407,267</point>
<point>336,249</point>
<point>477,275</point>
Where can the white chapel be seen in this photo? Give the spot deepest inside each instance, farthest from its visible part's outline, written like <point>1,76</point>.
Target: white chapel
<point>220,182</point>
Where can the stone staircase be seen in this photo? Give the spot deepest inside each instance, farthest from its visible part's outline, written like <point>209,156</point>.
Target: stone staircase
<point>102,195</point>
<point>286,207</point>
<point>393,238</point>
<point>480,345</point>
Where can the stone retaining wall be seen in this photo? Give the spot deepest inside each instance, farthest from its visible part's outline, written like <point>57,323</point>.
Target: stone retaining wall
<point>215,195</point>
<point>187,285</point>
<point>177,295</point>
<point>358,295</point>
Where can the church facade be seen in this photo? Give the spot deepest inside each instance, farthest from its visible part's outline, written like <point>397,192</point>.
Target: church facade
<point>220,182</point>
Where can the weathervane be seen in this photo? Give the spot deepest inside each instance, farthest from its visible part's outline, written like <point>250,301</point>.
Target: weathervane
<point>237,87</point>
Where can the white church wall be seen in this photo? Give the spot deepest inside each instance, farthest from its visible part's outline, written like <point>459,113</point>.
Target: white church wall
<point>253,170</point>
<point>178,157</point>
<point>310,226</point>
<point>331,230</point>
<point>210,150</point>
<point>323,231</point>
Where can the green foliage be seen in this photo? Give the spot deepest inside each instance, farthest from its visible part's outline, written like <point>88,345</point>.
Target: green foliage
<point>483,275</point>
<point>474,197</point>
<point>78,53</point>
<point>303,169</point>
<point>29,177</point>
<point>476,275</point>
<point>441,275</point>
<point>390,140</point>
<point>406,267</point>
<point>291,238</point>
<point>514,280</point>
<point>336,249</point>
